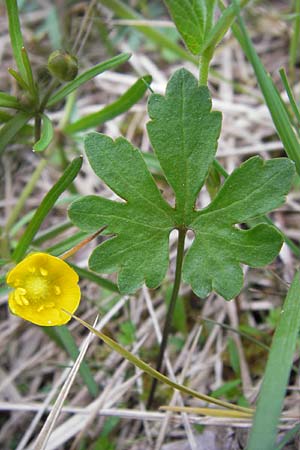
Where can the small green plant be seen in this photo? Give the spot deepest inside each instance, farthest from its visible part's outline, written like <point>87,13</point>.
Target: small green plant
<point>183,132</point>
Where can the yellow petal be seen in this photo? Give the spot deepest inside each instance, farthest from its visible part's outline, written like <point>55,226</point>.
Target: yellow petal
<point>45,286</point>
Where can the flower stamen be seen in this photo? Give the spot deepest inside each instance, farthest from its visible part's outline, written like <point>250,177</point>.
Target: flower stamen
<point>57,290</point>
<point>43,271</point>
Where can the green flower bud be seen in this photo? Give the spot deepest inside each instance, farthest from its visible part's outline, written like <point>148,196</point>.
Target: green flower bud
<point>63,65</point>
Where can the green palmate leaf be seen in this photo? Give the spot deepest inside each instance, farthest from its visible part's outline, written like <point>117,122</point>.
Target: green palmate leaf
<point>143,223</point>
<point>193,19</point>
<point>184,133</point>
<point>255,188</point>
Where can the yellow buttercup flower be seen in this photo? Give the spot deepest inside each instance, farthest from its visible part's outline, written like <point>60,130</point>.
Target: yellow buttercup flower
<point>43,286</point>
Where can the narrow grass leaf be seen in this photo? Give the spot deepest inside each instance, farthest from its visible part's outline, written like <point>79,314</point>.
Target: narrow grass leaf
<point>211,412</point>
<point>53,27</point>
<point>123,104</point>
<point>264,431</point>
<point>9,101</point>
<point>66,244</point>
<point>64,339</point>
<point>19,79</point>
<point>291,97</point>
<point>122,10</point>
<point>155,374</point>
<point>11,128</point>
<point>27,217</point>
<point>91,276</point>
<point>221,27</point>
<point>239,332</point>
<point>86,76</point>
<point>5,117</point>
<point>52,232</point>
<point>15,33</point>
<point>294,42</point>
<point>288,437</point>
<point>46,205</point>
<point>278,112</point>
<point>70,346</point>
<point>29,74</point>
<point>47,134</point>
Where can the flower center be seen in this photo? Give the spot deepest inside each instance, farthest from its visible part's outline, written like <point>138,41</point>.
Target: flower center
<point>38,287</point>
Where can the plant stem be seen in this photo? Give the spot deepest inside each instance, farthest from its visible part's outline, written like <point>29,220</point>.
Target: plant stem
<point>204,62</point>
<point>170,312</point>
<point>37,128</point>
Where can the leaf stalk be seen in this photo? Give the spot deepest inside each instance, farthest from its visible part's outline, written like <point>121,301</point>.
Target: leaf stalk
<point>170,312</point>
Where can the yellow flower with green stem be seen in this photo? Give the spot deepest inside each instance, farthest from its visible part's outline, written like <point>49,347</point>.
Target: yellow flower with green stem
<point>44,286</point>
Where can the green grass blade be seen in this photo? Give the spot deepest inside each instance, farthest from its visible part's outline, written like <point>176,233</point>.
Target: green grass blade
<point>294,44</point>
<point>64,246</point>
<point>11,128</point>
<point>91,276</point>
<point>28,216</point>
<point>239,332</point>
<point>53,28</point>
<point>47,134</point>
<point>123,104</point>
<point>15,33</point>
<point>70,346</point>
<point>122,10</point>
<point>288,437</point>
<point>264,431</point>
<point>155,374</point>
<point>9,101</point>
<point>29,74</point>
<point>86,76</point>
<point>291,97</point>
<point>52,232</point>
<point>20,80</point>
<point>278,112</point>
<point>5,117</point>
<point>46,205</point>
<point>217,33</point>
